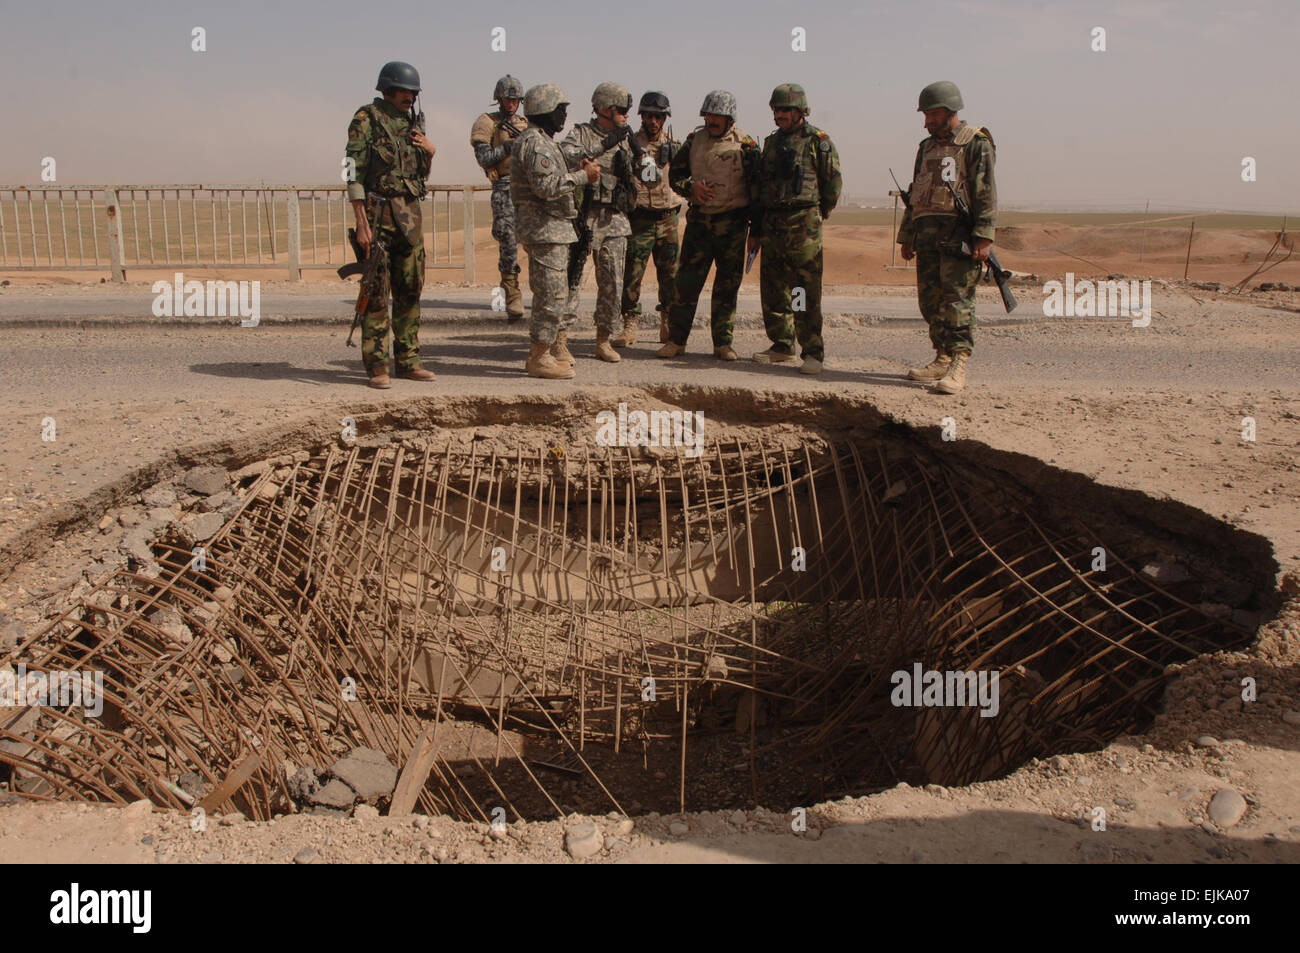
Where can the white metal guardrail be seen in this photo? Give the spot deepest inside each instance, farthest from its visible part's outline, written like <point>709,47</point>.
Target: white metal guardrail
<point>85,227</point>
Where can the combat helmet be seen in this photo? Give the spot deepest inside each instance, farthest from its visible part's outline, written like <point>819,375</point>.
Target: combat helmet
<point>544,98</point>
<point>942,93</point>
<point>398,75</point>
<point>655,103</point>
<point>719,103</point>
<point>508,87</point>
<point>789,96</point>
<point>610,94</point>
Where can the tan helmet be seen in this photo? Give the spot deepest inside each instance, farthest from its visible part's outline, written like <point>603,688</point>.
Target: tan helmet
<point>543,98</point>
<point>610,94</point>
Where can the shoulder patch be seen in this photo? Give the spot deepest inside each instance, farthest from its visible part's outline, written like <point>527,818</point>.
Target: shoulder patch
<point>825,145</point>
<point>820,134</point>
<point>544,162</point>
<point>361,114</point>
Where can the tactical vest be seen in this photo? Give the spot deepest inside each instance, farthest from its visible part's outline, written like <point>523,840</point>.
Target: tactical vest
<point>791,165</point>
<point>930,195</point>
<point>658,194</point>
<point>719,162</point>
<point>493,129</point>
<point>394,166</point>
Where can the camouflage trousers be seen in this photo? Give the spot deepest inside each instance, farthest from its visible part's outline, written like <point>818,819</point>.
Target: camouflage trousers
<point>652,235</point>
<point>708,239</point>
<point>610,254</point>
<point>945,283</point>
<point>791,279</point>
<point>503,227</point>
<point>398,221</point>
<point>548,280</point>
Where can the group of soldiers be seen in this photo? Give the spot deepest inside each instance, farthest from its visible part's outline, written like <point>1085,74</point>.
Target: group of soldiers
<point>613,195</point>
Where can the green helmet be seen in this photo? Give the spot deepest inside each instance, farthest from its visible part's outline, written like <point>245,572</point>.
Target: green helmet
<point>942,93</point>
<point>508,87</point>
<point>789,96</point>
<point>610,94</point>
<point>544,98</point>
<point>398,75</point>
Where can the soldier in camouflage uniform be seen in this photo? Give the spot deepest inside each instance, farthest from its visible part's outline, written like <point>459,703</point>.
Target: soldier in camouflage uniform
<point>799,184</point>
<point>542,188</point>
<point>604,139</point>
<point>492,138</point>
<point>717,169</point>
<point>655,210</point>
<point>946,277</point>
<point>391,158</point>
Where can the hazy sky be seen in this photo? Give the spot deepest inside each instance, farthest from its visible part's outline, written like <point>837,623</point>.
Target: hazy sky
<point>1183,92</point>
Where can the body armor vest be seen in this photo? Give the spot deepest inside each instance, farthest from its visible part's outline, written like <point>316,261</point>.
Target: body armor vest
<point>930,195</point>
<point>394,168</point>
<point>491,128</point>
<point>718,162</point>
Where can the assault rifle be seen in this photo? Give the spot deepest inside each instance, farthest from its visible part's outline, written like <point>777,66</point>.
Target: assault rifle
<point>580,249</point>
<point>371,269</point>
<point>994,266</point>
<point>995,269</point>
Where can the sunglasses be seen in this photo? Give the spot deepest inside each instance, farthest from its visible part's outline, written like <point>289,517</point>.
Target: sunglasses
<point>622,110</point>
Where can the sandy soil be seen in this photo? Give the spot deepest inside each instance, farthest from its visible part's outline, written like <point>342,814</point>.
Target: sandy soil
<point>1159,413</point>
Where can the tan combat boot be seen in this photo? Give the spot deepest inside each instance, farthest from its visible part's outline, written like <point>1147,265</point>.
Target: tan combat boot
<point>560,349</point>
<point>381,381</point>
<point>932,371</point>
<point>541,364</point>
<point>955,379</point>
<point>627,337</point>
<point>663,326</point>
<point>773,356</point>
<point>603,349</point>
<point>724,352</point>
<point>514,300</point>
<point>417,374</point>
<point>670,349</point>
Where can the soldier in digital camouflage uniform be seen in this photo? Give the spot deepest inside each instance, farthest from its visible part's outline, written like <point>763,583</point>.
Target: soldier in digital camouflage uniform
<point>655,210</point>
<point>492,138</point>
<point>542,187</point>
<point>946,278</point>
<point>604,139</point>
<point>799,184</point>
<point>717,169</point>
<point>391,158</point>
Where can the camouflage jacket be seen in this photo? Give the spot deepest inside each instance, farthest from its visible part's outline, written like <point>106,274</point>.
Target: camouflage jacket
<point>799,169</point>
<point>973,155</point>
<point>386,161</point>
<point>542,188</point>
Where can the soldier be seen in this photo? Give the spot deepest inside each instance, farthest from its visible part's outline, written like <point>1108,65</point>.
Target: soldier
<point>717,169</point>
<point>542,188</point>
<point>493,136</point>
<point>391,158</point>
<point>946,278</point>
<point>799,184</point>
<point>604,138</point>
<point>655,210</point>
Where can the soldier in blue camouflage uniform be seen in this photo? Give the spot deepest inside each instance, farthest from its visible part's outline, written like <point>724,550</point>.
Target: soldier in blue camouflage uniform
<point>799,184</point>
<point>946,277</point>
<point>391,158</point>
<point>492,138</point>
<point>655,210</point>
<point>717,169</point>
<point>542,187</point>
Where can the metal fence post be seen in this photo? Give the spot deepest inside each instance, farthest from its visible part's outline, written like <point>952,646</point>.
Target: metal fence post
<point>295,237</point>
<point>468,223</point>
<point>116,251</point>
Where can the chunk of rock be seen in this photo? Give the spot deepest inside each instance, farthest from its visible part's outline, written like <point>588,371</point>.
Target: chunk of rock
<point>302,783</point>
<point>1166,572</point>
<point>308,855</point>
<point>336,794</point>
<point>366,771</point>
<point>158,496</point>
<point>206,481</point>
<point>583,841</point>
<point>678,828</point>
<point>1207,741</point>
<point>205,525</point>
<point>365,812</point>
<point>1291,717</point>
<point>1227,807</point>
